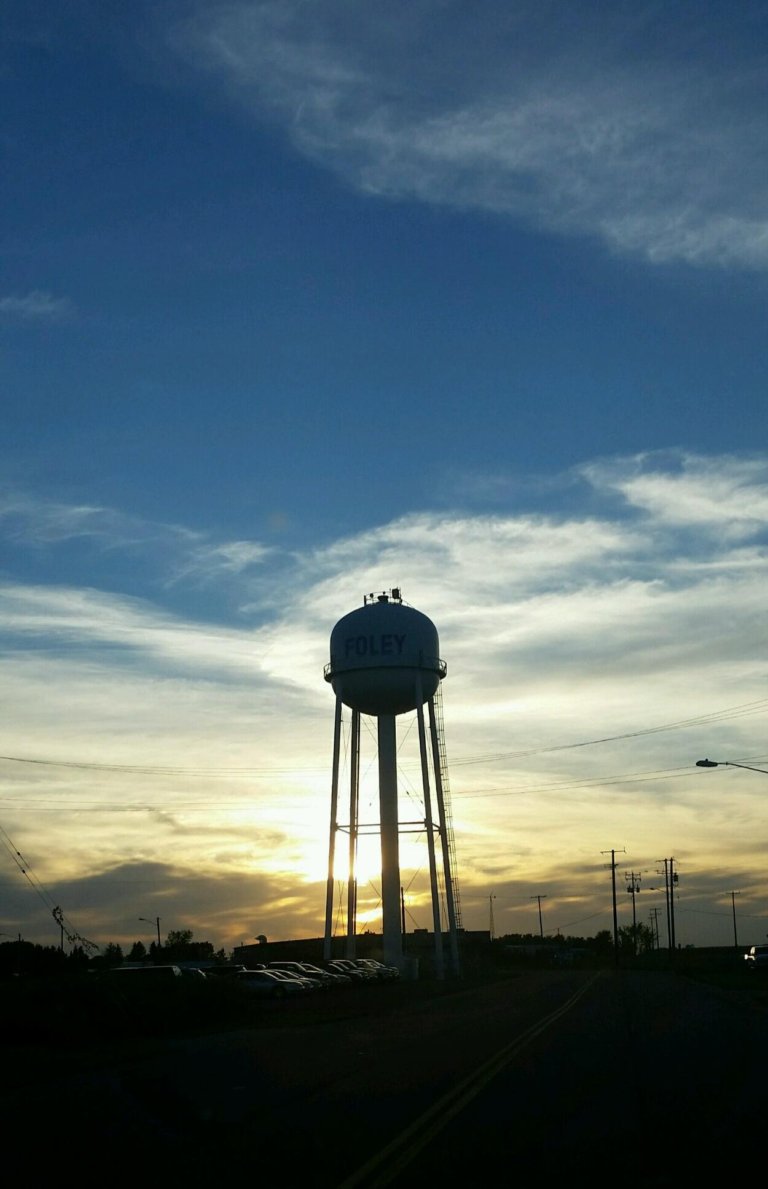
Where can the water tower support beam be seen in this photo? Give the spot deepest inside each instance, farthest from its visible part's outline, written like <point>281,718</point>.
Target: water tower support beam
<point>453,935</point>
<point>334,827</point>
<point>439,967</point>
<point>354,802</point>
<point>390,847</point>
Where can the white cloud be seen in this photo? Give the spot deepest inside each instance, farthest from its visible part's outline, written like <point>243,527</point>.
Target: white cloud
<point>724,497</point>
<point>36,306</point>
<point>574,122</point>
<point>67,619</point>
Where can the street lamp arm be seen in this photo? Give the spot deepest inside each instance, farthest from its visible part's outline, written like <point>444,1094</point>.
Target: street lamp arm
<point>728,764</point>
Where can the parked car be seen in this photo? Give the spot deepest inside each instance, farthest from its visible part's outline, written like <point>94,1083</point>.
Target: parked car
<point>305,984</point>
<point>155,973</point>
<point>333,979</point>
<point>339,977</point>
<point>334,966</point>
<point>756,957</point>
<point>347,966</point>
<point>296,969</point>
<point>268,984</point>
<point>224,970</point>
<point>304,970</point>
<point>382,972</point>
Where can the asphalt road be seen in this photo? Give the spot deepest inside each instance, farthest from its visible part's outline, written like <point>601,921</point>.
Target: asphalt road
<point>523,1081</point>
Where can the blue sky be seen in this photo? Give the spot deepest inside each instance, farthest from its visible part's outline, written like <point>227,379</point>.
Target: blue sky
<point>303,300</point>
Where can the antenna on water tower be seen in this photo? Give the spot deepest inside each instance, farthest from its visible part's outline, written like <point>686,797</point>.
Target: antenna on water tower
<point>385,662</point>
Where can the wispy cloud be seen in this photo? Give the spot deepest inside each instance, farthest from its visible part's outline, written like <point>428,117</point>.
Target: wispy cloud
<point>37,521</point>
<point>721,496</point>
<point>36,306</point>
<point>557,630</point>
<point>183,556</point>
<point>209,562</point>
<point>578,122</point>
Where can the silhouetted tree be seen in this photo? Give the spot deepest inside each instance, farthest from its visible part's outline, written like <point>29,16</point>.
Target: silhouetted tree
<point>602,942</point>
<point>77,959</point>
<point>180,947</point>
<point>178,937</point>
<point>637,939</point>
<point>24,957</point>
<point>137,952</point>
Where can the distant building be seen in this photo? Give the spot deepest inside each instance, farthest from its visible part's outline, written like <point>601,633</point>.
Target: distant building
<point>419,946</point>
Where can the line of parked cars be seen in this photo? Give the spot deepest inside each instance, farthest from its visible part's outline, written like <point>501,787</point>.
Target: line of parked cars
<point>281,979</point>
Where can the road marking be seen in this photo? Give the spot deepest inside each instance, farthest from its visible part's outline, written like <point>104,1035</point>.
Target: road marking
<point>388,1163</point>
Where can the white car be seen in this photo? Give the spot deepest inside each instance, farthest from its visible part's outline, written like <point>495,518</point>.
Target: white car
<point>756,957</point>
<point>299,970</point>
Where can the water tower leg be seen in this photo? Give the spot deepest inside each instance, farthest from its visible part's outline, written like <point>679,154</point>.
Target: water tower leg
<point>334,827</point>
<point>390,844</point>
<point>354,801</point>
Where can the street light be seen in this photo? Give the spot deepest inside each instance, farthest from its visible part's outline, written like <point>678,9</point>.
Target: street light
<point>728,764</point>
<point>156,923</point>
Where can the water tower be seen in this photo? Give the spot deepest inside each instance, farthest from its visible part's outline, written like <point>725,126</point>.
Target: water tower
<point>385,663</point>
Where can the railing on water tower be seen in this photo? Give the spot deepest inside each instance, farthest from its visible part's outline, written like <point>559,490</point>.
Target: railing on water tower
<point>450,837</point>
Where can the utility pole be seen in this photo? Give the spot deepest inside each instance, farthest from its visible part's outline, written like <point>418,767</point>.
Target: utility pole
<point>612,853</point>
<point>633,887</point>
<point>491,899</point>
<point>670,879</point>
<point>654,917</point>
<point>156,923</point>
<point>666,905</point>
<point>733,906</point>
<point>541,923</point>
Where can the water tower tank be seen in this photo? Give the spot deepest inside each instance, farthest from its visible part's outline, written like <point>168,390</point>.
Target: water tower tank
<point>380,652</point>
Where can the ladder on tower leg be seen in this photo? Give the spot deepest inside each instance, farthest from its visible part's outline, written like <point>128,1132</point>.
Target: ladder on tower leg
<point>450,838</point>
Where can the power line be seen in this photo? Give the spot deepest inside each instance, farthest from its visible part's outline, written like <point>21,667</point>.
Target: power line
<point>642,777</point>
<point>67,930</point>
<point>740,711</point>
<point>582,920</point>
<point>582,782</point>
<point>745,709</point>
<point>705,912</point>
<point>25,869</point>
<point>153,769</point>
